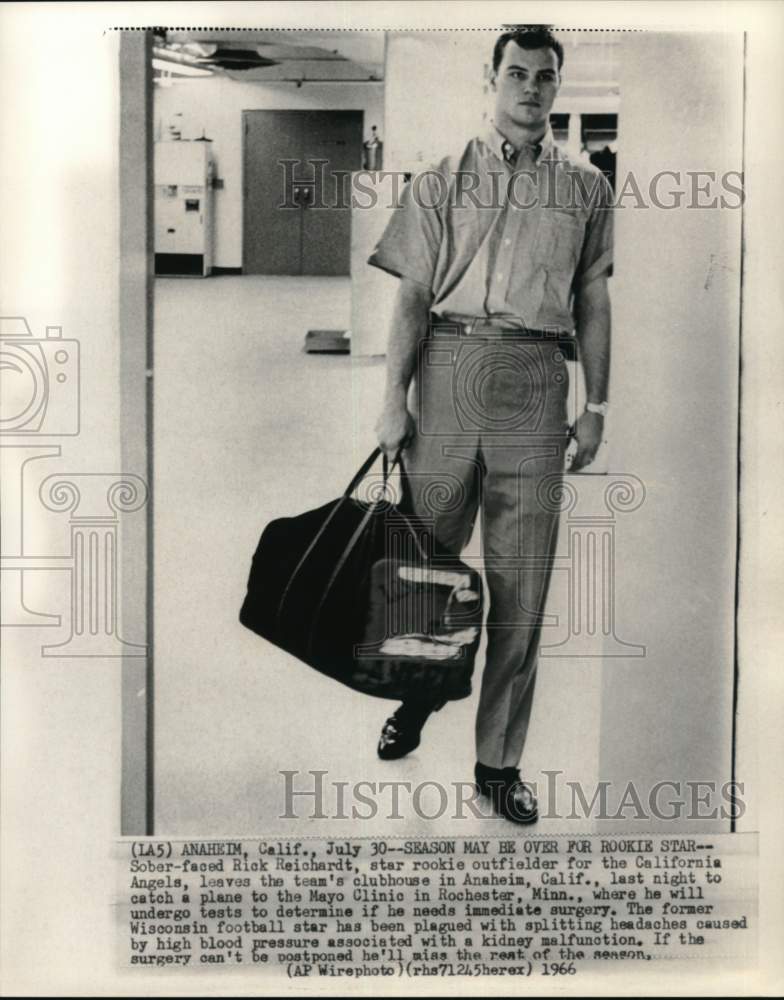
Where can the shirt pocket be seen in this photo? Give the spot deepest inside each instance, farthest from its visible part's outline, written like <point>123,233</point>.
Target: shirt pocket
<point>559,240</point>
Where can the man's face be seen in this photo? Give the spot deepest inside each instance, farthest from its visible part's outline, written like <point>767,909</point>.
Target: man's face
<point>525,85</point>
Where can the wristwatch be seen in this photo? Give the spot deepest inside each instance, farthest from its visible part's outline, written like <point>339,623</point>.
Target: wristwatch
<point>598,408</point>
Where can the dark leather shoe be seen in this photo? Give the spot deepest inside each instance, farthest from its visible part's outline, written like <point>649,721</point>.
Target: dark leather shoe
<point>512,798</point>
<point>398,738</point>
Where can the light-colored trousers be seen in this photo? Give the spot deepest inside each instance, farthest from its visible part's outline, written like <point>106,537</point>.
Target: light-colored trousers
<point>492,431</point>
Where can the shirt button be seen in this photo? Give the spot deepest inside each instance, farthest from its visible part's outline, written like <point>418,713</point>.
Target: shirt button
<point>499,277</point>
<point>507,242</point>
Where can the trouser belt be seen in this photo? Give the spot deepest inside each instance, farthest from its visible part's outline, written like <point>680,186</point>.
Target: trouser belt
<point>487,326</point>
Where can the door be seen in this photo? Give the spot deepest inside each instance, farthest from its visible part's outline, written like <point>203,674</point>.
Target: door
<point>296,218</point>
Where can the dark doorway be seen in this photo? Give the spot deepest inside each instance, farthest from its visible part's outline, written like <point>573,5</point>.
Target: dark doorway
<point>296,205</point>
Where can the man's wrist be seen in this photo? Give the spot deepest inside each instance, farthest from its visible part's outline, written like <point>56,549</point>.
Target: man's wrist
<point>396,395</point>
<point>600,408</point>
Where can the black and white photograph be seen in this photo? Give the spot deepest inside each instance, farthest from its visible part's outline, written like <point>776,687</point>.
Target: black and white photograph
<point>528,304</point>
<point>390,465</point>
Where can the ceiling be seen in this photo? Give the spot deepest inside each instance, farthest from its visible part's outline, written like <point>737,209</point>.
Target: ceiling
<point>342,56</point>
<point>271,56</point>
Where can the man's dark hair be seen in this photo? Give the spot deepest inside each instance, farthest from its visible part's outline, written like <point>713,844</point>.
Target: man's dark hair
<point>528,36</point>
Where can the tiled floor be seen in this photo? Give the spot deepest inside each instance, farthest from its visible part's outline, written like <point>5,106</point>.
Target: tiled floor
<point>248,428</point>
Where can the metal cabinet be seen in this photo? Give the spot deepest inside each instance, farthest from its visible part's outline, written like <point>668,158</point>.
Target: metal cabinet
<point>184,217</point>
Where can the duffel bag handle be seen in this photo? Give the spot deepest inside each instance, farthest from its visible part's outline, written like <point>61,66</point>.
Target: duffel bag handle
<point>362,526</point>
<point>406,503</point>
<point>367,465</point>
<point>359,476</point>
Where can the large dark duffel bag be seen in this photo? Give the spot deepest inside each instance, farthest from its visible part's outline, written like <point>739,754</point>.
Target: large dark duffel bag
<point>357,590</point>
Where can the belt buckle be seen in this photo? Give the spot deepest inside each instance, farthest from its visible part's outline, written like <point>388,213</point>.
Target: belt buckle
<point>482,326</point>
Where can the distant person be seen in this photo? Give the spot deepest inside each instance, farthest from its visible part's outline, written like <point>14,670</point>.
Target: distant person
<point>373,151</point>
<point>604,159</point>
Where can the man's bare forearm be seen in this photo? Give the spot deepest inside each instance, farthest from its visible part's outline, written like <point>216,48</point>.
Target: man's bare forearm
<point>409,327</point>
<point>593,317</point>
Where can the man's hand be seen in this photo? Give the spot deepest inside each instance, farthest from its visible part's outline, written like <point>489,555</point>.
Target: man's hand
<point>588,434</point>
<point>395,427</point>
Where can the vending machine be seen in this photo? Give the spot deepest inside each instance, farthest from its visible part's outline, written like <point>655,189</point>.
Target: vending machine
<point>184,223</point>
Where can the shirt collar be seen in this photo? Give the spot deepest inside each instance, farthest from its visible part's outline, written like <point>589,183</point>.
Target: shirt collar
<point>496,140</point>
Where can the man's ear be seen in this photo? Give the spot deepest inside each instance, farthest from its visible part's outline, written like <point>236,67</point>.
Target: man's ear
<point>493,78</point>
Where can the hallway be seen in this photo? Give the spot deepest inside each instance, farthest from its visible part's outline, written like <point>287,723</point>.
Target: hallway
<point>248,428</point>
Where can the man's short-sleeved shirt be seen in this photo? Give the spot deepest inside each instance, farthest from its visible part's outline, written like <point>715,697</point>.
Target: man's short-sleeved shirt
<point>513,240</point>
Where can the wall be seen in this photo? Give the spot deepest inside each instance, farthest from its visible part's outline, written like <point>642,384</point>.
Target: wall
<point>446,65</point>
<point>449,104</point>
<point>674,397</point>
<point>61,717</point>
<point>214,106</point>
<point>373,291</point>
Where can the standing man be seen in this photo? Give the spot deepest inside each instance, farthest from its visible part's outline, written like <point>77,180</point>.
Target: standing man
<point>503,252</point>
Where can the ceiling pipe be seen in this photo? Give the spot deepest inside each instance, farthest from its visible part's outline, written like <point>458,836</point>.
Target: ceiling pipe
<point>182,60</point>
